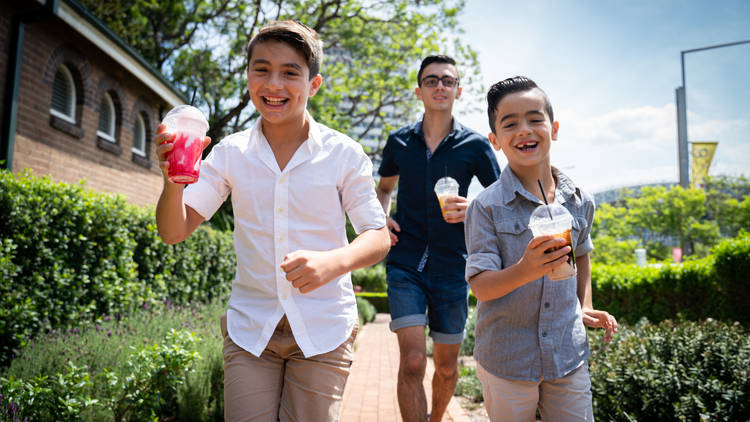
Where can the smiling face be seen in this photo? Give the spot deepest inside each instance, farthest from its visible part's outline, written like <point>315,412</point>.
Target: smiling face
<point>279,83</point>
<point>523,130</point>
<point>439,97</point>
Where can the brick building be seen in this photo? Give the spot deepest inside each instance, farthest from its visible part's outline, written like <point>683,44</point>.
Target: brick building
<point>78,103</point>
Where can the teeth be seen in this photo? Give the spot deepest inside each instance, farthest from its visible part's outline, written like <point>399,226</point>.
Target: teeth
<point>274,101</point>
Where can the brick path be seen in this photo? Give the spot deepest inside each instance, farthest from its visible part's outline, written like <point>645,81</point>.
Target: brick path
<point>370,394</point>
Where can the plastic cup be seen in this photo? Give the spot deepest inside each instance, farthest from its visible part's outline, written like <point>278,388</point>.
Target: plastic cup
<point>559,225</point>
<point>445,188</point>
<point>190,127</point>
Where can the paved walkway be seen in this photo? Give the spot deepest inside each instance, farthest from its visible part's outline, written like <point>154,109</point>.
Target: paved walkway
<point>370,394</point>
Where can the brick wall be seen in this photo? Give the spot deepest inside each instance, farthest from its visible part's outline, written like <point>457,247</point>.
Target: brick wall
<point>70,153</point>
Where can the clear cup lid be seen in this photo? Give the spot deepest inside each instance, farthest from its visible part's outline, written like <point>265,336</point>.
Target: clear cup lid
<point>446,184</point>
<point>552,212</point>
<point>183,113</point>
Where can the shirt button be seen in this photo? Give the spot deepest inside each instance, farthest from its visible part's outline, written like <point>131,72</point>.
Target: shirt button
<point>544,334</point>
<point>280,210</point>
<point>546,304</point>
<point>283,295</point>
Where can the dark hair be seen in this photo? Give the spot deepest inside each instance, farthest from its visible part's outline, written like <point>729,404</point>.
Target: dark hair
<point>295,34</point>
<point>510,86</point>
<point>440,58</point>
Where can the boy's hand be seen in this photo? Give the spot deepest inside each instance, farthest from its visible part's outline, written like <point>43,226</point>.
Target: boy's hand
<point>392,226</point>
<point>163,141</point>
<point>600,319</point>
<point>308,270</point>
<point>455,209</point>
<point>536,262</point>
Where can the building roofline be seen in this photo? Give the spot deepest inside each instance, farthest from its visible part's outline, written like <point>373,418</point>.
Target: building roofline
<point>93,29</point>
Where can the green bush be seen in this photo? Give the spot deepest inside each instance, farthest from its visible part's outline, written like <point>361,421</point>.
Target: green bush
<point>378,300</point>
<point>108,345</point>
<point>672,371</point>
<point>732,263</point>
<point>365,310</point>
<point>467,346</point>
<point>371,279</point>
<point>715,286</point>
<point>68,255</point>
<point>154,372</point>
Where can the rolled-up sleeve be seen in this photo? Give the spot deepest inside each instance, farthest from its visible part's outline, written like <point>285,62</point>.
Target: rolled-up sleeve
<point>358,193</point>
<point>585,244</point>
<point>212,188</point>
<point>482,244</point>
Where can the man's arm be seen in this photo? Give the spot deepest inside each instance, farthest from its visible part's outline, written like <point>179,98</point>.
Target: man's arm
<point>384,190</point>
<point>308,270</point>
<point>174,219</point>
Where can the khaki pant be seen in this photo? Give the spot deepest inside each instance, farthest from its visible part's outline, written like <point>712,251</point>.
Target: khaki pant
<point>565,399</point>
<point>283,385</point>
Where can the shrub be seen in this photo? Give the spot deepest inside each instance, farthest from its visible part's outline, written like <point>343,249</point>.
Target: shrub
<point>467,347</point>
<point>715,286</point>
<point>378,300</point>
<point>365,310</point>
<point>676,371</point>
<point>154,373</point>
<point>468,385</point>
<point>69,255</point>
<point>108,346</point>
<point>371,279</point>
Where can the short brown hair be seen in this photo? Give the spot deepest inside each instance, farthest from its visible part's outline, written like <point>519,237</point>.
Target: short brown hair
<point>295,34</point>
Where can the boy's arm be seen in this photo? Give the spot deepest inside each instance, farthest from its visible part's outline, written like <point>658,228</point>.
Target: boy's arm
<point>534,264</point>
<point>308,270</point>
<point>592,317</point>
<point>484,266</point>
<point>174,219</point>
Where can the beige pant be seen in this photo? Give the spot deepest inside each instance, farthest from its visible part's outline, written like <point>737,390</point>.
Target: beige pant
<point>283,385</point>
<point>565,399</point>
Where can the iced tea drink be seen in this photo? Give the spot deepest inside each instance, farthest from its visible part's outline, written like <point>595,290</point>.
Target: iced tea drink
<point>555,219</point>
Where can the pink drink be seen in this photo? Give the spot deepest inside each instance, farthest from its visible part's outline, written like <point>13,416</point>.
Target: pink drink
<point>185,158</point>
<point>189,126</point>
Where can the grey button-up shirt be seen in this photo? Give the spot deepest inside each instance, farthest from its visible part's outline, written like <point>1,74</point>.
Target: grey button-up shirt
<point>535,331</point>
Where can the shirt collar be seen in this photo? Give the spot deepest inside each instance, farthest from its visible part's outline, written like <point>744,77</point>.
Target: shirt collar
<point>312,143</point>
<point>512,187</point>
<point>455,127</point>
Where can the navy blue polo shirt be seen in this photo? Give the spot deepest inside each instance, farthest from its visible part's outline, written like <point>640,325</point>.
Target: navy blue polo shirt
<point>424,234</point>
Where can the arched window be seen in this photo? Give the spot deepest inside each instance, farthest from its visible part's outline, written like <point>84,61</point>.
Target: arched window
<point>139,135</point>
<point>107,118</point>
<point>64,95</point>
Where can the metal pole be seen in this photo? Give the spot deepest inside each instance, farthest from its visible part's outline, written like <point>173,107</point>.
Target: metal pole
<point>681,103</point>
<point>682,142</point>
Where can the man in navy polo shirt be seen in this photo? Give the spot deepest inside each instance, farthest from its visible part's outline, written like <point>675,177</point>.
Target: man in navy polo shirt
<point>425,267</point>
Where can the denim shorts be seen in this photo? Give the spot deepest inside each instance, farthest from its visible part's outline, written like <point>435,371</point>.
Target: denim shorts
<point>444,298</point>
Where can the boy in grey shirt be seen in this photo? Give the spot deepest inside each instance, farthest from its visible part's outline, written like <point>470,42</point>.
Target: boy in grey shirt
<point>531,346</point>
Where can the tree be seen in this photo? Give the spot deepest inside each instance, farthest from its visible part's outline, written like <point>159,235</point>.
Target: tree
<point>372,50</point>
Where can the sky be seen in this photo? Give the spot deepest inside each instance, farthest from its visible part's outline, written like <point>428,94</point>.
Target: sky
<point>611,69</point>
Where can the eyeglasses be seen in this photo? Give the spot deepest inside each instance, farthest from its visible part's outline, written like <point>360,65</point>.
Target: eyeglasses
<point>432,81</point>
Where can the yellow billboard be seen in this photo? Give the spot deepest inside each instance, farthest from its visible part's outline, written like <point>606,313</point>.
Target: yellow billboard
<point>702,154</point>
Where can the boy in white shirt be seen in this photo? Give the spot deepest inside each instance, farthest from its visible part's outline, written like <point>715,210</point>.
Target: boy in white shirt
<point>291,318</point>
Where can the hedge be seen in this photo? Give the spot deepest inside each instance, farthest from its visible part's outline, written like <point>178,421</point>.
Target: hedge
<point>716,286</point>
<point>672,371</point>
<point>69,254</point>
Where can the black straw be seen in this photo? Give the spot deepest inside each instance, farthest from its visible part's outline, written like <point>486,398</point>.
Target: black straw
<point>192,100</point>
<point>544,197</point>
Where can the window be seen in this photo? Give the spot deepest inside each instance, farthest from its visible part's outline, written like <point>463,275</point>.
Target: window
<point>139,136</point>
<point>107,118</point>
<point>63,95</point>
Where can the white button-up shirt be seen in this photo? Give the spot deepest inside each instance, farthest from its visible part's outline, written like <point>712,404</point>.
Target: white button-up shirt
<point>277,212</point>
